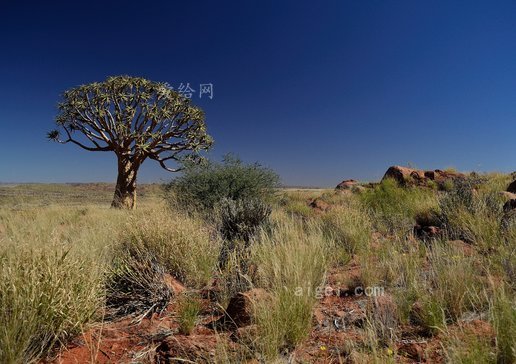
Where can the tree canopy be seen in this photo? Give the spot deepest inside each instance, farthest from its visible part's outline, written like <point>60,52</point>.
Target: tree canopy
<point>133,117</point>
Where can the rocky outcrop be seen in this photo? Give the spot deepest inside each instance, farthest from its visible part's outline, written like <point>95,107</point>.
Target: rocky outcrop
<point>319,205</point>
<point>347,184</point>
<point>403,175</point>
<point>416,177</point>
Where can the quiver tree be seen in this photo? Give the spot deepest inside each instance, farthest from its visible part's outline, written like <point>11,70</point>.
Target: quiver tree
<point>135,118</point>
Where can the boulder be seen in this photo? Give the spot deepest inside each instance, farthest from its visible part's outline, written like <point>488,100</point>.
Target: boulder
<point>442,176</point>
<point>403,175</point>
<point>319,205</point>
<point>346,184</point>
<point>416,177</point>
<point>512,187</point>
<point>412,350</point>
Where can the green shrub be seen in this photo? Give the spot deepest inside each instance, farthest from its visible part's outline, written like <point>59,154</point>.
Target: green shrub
<point>189,308</point>
<point>395,208</point>
<point>202,187</point>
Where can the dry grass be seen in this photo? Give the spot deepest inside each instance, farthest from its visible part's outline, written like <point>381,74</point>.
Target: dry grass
<point>292,261</point>
<point>185,245</point>
<point>54,261</point>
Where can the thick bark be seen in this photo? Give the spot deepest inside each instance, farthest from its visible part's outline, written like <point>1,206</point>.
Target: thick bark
<point>125,190</point>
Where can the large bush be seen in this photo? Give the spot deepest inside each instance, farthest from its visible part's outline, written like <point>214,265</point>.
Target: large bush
<point>202,187</point>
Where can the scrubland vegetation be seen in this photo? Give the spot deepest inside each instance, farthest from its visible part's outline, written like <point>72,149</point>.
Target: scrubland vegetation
<point>226,228</point>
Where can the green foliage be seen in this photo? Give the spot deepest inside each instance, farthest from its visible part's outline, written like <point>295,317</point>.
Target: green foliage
<point>189,308</point>
<point>395,208</point>
<point>349,226</point>
<point>472,211</point>
<point>202,187</point>
<point>125,111</point>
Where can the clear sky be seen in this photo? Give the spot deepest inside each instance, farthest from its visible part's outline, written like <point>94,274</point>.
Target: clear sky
<point>318,90</point>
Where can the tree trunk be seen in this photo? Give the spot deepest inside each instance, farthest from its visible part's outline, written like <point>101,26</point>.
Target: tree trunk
<point>125,191</point>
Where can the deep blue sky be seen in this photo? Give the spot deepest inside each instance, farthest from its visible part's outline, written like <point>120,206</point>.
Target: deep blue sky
<point>319,91</point>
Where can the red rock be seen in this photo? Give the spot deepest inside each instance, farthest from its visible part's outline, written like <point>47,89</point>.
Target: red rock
<point>319,205</point>
<point>346,184</point>
<point>441,176</point>
<point>173,284</point>
<point>402,175</point>
<point>415,177</point>
<point>412,350</point>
